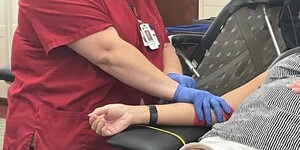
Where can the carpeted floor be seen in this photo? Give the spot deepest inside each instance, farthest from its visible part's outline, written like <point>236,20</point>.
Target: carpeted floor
<point>3,108</point>
<point>2,127</point>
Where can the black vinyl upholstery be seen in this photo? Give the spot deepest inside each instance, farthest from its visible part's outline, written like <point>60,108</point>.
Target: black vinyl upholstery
<point>159,138</point>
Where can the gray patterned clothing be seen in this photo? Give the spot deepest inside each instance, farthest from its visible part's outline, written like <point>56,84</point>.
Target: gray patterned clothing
<point>269,119</point>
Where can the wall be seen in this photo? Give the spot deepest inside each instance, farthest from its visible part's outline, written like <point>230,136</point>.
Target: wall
<point>8,23</point>
<point>181,12</point>
<point>210,8</point>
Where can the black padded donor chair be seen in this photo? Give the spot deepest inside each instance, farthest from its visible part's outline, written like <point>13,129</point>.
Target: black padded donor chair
<point>242,42</point>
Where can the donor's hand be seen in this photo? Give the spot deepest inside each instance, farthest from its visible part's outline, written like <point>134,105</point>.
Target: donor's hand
<point>110,119</point>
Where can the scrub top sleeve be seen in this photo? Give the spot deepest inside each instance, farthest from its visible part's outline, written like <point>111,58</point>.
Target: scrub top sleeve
<point>58,23</point>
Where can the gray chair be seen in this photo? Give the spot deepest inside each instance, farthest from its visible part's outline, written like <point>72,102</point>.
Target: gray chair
<point>238,46</point>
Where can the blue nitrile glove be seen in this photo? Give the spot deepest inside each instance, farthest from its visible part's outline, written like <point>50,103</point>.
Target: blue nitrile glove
<point>203,102</point>
<point>183,80</point>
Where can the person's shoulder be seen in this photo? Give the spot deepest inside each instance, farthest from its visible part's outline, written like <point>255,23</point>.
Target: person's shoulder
<point>288,66</point>
<point>294,59</point>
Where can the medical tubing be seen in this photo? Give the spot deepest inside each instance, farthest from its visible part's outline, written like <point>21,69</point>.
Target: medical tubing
<point>271,32</point>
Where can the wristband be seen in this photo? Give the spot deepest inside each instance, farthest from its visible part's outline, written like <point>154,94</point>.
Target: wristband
<point>153,114</point>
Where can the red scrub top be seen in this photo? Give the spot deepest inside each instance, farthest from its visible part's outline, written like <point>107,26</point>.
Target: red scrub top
<point>55,88</point>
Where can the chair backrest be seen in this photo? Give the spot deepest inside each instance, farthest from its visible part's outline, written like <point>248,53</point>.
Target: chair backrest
<point>238,45</point>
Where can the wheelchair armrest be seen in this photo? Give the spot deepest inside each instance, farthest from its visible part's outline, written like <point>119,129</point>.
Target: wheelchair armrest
<point>156,138</point>
<point>188,39</point>
<point>6,74</point>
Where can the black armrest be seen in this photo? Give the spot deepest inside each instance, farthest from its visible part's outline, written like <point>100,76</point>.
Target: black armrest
<point>178,40</point>
<point>203,21</point>
<point>148,138</point>
<point>185,45</point>
<point>6,74</point>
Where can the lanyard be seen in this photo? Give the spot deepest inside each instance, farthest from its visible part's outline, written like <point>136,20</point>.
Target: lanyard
<point>134,12</point>
<point>149,37</point>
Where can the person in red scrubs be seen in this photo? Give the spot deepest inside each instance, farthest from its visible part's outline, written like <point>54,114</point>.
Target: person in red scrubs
<point>70,57</point>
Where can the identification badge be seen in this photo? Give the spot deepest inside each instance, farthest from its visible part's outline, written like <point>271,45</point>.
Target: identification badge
<point>149,37</point>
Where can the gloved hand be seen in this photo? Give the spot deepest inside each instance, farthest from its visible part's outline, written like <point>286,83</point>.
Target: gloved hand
<point>183,80</point>
<point>203,102</point>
